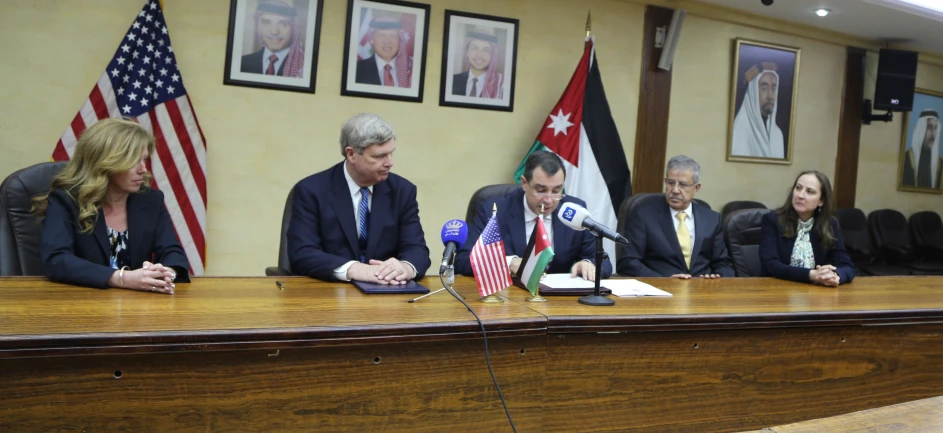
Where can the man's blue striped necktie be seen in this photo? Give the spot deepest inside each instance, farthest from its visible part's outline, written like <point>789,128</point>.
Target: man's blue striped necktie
<point>364,222</point>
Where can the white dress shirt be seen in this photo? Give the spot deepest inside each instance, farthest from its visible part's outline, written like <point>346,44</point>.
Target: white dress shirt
<point>689,221</point>
<point>381,69</point>
<point>481,84</point>
<point>341,271</point>
<point>530,223</point>
<point>266,53</point>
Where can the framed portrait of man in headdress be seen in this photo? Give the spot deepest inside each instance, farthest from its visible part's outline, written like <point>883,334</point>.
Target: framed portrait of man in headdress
<point>921,157</point>
<point>273,44</point>
<point>479,61</point>
<point>385,49</point>
<point>763,102</point>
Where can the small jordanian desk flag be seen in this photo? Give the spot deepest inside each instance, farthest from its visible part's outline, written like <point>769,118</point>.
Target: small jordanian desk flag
<point>536,258</point>
<point>580,130</point>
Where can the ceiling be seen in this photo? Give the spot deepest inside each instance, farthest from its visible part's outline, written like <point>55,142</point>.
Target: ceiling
<point>904,25</point>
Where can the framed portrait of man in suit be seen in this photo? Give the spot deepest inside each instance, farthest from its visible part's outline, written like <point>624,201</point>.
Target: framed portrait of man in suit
<point>921,157</point>
<point>385,49</point>
<point>479,59</point>
<point>763,102</point>
<point>273,44</point>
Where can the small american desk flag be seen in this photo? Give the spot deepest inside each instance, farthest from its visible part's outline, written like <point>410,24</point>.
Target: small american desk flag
<point>488,262</point>
<point>142,82</point>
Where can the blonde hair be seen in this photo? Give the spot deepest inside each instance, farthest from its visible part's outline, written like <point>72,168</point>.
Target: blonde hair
<point>109,147</point>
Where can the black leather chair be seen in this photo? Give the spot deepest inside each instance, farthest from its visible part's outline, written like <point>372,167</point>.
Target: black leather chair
<point>926,228</point>
<point>738,205</point>
<point>626,210</point>
<point>20,229</point>
<point>857,239</point>
<point>742,233</point>
<point>892,242</point>
<point>284,266</point>
<point>703,203</point>
<point>484,194</point>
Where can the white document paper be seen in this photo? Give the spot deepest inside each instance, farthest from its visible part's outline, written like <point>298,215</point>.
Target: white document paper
<point>629,288</point>
<point>555,281</point>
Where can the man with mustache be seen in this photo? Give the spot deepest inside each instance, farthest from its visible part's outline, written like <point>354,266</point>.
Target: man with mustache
<point>755,132</point>
<point>356,220</point>
<point>282,52</point>
<point>390,65</point>
<point>923,166</point>
<point>482,79</point>
<point>678,237</point>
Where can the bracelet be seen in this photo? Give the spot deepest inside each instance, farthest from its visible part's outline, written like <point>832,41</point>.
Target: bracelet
<point>121,276</point>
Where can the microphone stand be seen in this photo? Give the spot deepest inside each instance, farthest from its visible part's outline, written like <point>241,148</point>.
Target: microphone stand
<point>449,277</point>
<point>596,299</point>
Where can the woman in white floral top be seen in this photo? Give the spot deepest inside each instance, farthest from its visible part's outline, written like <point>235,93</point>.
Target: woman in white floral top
<point>801,241</point>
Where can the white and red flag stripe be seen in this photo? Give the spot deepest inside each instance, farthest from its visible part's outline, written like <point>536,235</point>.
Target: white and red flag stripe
<point>488,262</point>
<point>142,82</point>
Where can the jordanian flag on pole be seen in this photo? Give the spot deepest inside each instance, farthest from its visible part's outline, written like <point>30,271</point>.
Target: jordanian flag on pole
<point>536,258</point>
<point>581,131</point>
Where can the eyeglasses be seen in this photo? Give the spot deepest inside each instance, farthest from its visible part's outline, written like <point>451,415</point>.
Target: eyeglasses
<point>555,196</point>
<point>670,183</point>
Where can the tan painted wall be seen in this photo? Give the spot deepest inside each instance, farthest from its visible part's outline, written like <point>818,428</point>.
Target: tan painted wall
<point>700,101</point>
<point>878,162</point>
<point>260,142</point>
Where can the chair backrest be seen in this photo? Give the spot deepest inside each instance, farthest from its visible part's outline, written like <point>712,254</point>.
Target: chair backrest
<point>486,193</point>
<point>702,203</point>
<point>889,230</point>
<point>855,234</point>
<point>626,210</point>
<point>283,242</point>
<point>739,204</point>
<point>20,229</point>
<point>742,232</point>
<point>927,230</point>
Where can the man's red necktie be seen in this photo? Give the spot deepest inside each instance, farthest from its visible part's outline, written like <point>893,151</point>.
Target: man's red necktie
<point>387,76</point>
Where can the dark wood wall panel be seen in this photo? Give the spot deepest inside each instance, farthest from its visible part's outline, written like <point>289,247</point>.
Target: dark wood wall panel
<point>849,129</point>
<point>651,133</point>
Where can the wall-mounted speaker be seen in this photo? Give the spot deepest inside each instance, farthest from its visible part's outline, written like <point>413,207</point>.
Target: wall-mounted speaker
<point>897,77</point>
<point>671,40</point>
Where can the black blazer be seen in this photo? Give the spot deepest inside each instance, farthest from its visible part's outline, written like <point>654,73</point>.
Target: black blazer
<point>321,204</point>
<point>252,63</point>
<point>459,84</point>
<point>569,246</point>
<point>72,257</point>
<point>776,253</point>
<point>654,251</point>
<point>367,72</point>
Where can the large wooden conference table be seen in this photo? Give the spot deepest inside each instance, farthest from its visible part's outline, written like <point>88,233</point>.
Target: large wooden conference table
<point>240,354</point>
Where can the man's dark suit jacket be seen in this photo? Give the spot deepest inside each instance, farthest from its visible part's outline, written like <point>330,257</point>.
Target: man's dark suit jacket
<point>776,253</point>
<point>909,175</point>
<point>460,83</point>
<point>654,251</point>
<point>367,72</point>
<point>252,64</point>
<point>322,203</point>
<point>569,246</point>
<point>72,257</point>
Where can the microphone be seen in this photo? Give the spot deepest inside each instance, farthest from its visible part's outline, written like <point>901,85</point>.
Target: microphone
<point>577,217</point>
<point>454,234</point>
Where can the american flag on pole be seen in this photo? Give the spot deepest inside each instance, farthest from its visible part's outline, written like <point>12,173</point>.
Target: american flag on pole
<point>142,82</point>
<point>488,262</point>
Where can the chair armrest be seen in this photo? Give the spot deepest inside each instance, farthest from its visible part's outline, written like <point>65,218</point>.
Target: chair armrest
<point>275,271</point>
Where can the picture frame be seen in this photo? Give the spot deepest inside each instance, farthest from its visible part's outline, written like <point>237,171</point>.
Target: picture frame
<point>385,49</point>
<point>273,44</point>
<point>479,61</point>
<point>763,98</point>
<point>922,123</point>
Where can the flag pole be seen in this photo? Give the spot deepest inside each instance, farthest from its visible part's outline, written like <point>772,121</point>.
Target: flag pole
<point>536,295</point>
<point>589,25</point>
<point>492,299</point>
